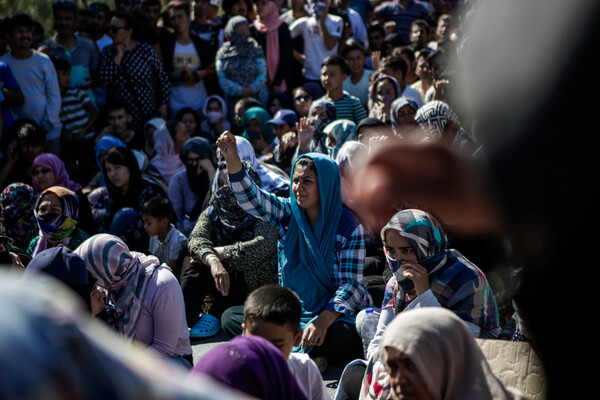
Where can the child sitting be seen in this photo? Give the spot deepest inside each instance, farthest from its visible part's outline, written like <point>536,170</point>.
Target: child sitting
<point>273,312</point>
<point>216,122</point>
<point>166,242</point>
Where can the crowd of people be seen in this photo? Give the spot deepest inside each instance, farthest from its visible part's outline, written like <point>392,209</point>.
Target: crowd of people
<point>192,167</point>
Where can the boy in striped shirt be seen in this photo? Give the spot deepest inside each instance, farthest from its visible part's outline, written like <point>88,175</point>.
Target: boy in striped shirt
<point>334,72</point>
<point>77,114</point>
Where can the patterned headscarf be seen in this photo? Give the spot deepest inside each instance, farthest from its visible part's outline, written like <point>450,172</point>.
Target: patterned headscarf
<point>54,163</point>
<point>330,111</point>
<point>17,215</point>
<point>426,237</point>
<point>239,56</point>
<point>342,130</point>
<point>57,228</point>
<point>228,218</point>
<point>123,273</point>
<point>440,122</point>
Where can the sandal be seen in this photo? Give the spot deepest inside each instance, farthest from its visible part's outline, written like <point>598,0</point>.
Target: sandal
<point>206,326</point>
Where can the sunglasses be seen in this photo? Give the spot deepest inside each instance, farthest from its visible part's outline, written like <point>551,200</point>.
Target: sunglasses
<point>114,29</point>
<point>302,97</point>
<point>42,171</point>
<point>193,161</point>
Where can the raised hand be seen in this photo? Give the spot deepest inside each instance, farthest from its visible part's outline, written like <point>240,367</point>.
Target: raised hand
<point>228,147</point>
<point>305,133</point>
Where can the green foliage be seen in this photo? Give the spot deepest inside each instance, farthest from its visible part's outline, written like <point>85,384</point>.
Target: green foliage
<point>39,10</point>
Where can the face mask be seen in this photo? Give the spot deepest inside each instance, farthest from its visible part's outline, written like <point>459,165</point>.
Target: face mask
<point>48,217</point>
<point>214,117</point>
<point>406,284</point>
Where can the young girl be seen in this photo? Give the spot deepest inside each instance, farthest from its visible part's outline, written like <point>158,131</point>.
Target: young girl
<point>215,111</point>
<point>384,91</point>
<point>320,252</point>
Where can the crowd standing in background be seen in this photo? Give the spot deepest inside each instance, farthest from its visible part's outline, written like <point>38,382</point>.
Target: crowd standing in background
<point>198,157</point>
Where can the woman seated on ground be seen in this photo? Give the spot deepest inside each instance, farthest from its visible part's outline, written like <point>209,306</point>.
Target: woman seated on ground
<point>257,131</point>
<point>48,170</point>
<point>190,188</point>
<point>56,213</point>
<point>233,252</point>
<point>320,252</point>
<point>430,353</point>
<point>169,139</point>
<point>426,273</point>
<point>127,191</point>
<point>145,295</point>
<point>17,215</point>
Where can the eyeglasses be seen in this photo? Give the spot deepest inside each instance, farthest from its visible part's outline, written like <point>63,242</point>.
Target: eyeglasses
<point>193,161</point>
<point>302,97</point>
<point>42,171</point>
<point>114,29</point>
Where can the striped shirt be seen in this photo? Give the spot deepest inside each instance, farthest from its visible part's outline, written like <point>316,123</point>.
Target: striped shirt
<point>349,107</point>
<point>346,273</point>
<point>72,113</point>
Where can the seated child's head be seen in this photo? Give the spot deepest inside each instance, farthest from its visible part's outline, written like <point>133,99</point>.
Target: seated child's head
<point>158,215</point>
<point>63,71</point>
<point>273,312</point>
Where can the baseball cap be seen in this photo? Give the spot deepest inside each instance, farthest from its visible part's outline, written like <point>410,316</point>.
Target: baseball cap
<point>284,116</point>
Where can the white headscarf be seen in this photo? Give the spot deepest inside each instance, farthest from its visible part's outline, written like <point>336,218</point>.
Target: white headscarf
<point>446,355</point>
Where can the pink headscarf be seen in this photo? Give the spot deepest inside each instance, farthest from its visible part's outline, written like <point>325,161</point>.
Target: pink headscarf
<point>54,163</point>
<point>166,160</point>
<point>270,27</point>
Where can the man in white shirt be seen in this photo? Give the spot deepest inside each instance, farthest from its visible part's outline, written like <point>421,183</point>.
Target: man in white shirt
<point>321,33</point>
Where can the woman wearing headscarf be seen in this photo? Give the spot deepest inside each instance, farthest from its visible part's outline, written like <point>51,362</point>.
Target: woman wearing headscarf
<point>338,132</point>
<point>169,138</point>
<point>241,65</point>
<point>190,188</point>
<point>430,353</point>
<point>215,111</point>
<point>426,273</point>
<point>273,35</point>
<point>271,181</point>
<point>48,170</point>
<point>404,111</point>
<point>17,216</point>
<point>146,296</point>
<point>252,365</point>
<point>56,213</point>
<point>257,130</point>
<point>383,92</point>
<point>311,137</point>
<point>233,252</point>
<point>320,252</point>
<point>127,190</point>
<point>440,123</point>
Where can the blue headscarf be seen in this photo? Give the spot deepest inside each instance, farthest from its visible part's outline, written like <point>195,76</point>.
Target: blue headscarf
<point>106,143</point>
<point>309,255</point>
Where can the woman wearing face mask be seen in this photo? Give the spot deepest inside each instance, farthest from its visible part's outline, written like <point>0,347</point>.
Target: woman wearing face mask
<point>189,188</point>
<point>56,212</point>
<point>384,91</point>
<point>241,65</point>
<point>426,273</point>
<point>215,111</point>
<point>48,170</point>
<point>311,137</point>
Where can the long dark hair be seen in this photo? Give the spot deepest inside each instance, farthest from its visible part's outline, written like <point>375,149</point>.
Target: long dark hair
<point>123,156</point>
